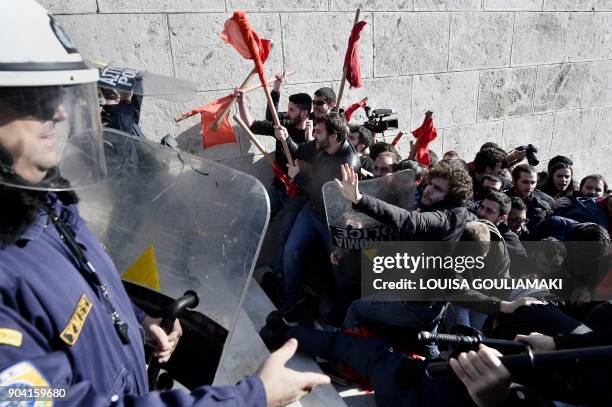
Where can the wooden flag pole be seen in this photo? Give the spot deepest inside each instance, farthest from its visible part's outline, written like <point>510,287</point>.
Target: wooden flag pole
<point>251,136</point>
<point>345,72</point>
<point>217,122</point>
<point>225,111</point>
<point>277,123</point>
<point>229,105</point>
<point>251,88</point>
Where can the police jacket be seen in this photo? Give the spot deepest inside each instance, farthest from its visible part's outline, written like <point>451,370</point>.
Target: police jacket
<point>56,329</point>
<point>326,168</point>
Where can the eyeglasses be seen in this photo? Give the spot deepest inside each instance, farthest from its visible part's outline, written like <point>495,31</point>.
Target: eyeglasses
<point>319,102</point>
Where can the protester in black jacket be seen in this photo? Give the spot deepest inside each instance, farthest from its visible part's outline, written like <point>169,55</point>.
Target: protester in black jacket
<point>334,150</point>
<point>539,205</point>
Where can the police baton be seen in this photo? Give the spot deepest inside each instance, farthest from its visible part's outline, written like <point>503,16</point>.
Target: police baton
<point>188,301</point>
<point>574,358</point>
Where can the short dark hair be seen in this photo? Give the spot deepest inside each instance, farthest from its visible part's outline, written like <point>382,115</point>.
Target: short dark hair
<point>379,147</point>
<point>334,124</point>
<point>327,93</point>
<point>460,188</point>
<point>517,203</point>
<point>559,159</point>
<point>365,135</point>
<point>516,172</point>
<point>395,157</point>
<point>417,168</point>
<point>502,200</point>
<point>551,247</point>
<point>302,100</point>
<point>494,178</point>
<point>488,158</point>
<point>596,177</point>
<point>489,144</point>
<point>588,232</point>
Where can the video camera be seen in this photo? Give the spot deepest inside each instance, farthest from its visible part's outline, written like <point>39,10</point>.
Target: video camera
<point>530,151</point>
<point>376,120</point>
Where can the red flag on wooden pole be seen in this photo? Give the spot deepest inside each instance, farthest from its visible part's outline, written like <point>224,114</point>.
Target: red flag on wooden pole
<point>223,134</point>
<point>238,34</point>
<point>424,135</point>
<point>351,58</point>
<point>348,112</point>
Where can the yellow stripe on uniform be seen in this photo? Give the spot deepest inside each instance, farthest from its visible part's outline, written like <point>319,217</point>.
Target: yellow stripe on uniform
<point>71,332</point>
<point>10,337</point>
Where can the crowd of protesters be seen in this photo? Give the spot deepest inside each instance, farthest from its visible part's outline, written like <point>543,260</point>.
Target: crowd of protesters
<point>536,220</point>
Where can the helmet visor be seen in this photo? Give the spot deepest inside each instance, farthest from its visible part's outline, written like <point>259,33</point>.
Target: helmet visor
<point>50,137</point>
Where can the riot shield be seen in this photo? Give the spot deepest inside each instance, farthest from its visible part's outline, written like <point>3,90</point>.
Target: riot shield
<point>352,231</point>
<point>173,222</point>
<point>119,78</point>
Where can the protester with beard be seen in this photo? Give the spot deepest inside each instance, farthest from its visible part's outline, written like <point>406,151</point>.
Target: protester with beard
<point>295,122</point>
<point>442,217</point>
<point>487,162</point>
<point>334,150</point>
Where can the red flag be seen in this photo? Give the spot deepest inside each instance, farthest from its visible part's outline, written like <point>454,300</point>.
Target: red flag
<point>424,135</point>
<point>238,34</point>
<point>348,113</point>
<point>208,114</point>
<point>289,184</point>
<point>351,59</point>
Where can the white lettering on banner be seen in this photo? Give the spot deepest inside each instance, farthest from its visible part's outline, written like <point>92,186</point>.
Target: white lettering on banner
<point>118,77</point>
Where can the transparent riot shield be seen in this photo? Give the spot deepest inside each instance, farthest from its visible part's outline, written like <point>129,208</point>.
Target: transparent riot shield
<point>173,222</point>
<point>143,83</point>
<point>352,231</point>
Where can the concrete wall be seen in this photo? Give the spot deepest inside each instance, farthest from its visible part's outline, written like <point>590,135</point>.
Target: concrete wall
<point>509,71</point>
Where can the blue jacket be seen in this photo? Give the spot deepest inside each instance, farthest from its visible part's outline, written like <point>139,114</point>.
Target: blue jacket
<point>55,329</point>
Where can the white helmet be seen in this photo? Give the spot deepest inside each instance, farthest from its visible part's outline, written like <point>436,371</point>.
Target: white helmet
<point>49,119</point>
<point>36,50</point>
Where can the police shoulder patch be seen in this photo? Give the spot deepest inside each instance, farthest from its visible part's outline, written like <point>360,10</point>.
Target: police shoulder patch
<point>71,332</point>
<point>10,337</point>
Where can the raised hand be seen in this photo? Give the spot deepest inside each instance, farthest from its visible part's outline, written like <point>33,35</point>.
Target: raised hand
<point>349,184</point>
